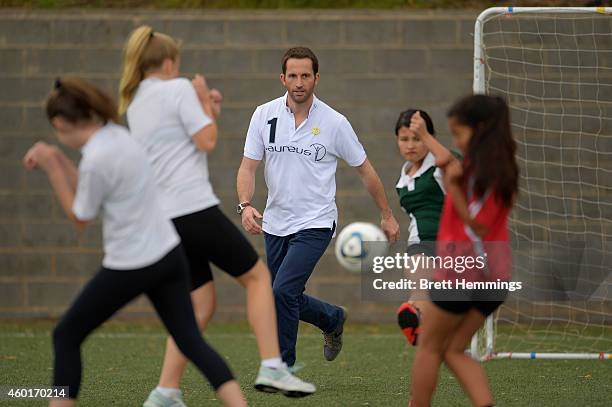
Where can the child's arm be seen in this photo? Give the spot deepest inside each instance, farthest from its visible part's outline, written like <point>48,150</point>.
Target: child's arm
<point>69,169</point>
<point>61,172</point>
<point>206,138</point>
<point>452,172</point>
<point>452,175</point>
<point>442,154</point>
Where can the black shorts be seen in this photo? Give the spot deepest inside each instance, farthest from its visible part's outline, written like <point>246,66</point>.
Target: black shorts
<point>209,236</point>
<point>427,248</point>
<point>486,302</point>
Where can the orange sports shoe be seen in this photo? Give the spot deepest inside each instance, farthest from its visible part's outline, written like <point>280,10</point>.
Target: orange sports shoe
<point>408,317</point>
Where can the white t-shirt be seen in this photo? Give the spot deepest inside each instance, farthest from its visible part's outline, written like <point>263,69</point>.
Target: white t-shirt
<point>115,178</point>
<point>163,116</point>
<point>300,164</point>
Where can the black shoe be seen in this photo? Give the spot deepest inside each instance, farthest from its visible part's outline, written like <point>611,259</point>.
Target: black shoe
<point>333,340</point>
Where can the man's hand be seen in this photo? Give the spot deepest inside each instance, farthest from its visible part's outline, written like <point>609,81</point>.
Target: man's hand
<point>39,155</point>
<point>374,185</point>
<point>390,227</point>
<point>250,216</point>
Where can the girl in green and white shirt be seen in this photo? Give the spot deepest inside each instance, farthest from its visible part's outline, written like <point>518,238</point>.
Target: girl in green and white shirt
<point>421,194</point>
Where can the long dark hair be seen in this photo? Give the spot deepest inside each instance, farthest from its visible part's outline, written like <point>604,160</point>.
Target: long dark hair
<point>490,157</point>
<point>78,100</point>
<point>404,120</point>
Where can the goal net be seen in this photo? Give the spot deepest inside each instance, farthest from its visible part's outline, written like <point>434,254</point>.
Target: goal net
<point>554,67</point>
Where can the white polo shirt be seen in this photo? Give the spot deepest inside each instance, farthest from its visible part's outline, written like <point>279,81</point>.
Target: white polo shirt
<point>300,164</point>
<point>163,116</point>
<point>115,178</point>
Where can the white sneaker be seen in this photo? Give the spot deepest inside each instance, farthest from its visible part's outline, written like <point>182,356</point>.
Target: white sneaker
<point>271,380</point>
<point>156,399</point>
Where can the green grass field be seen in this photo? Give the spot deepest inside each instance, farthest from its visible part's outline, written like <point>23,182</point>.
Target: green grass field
<point>122,362</point>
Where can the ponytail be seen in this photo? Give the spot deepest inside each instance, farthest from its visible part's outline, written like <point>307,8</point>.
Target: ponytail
<point>144,51</point>
<point>78,100</point>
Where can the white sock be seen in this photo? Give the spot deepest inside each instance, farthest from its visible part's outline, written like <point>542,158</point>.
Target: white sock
<point>169,392</point>
<point>273,363</point>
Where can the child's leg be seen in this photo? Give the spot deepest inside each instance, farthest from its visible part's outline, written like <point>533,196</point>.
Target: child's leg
<point>203,299</point>
<point>62,403</point>
<point>260,309</point>
<point>231,395</point>
<point>104,294</point>
<point>470,373</point>
<point>410,313</point>
<point>172,302</point>
<point>233,253</point>
<point>438,325</point>
<point>230,250</point>
<point>419,270</point>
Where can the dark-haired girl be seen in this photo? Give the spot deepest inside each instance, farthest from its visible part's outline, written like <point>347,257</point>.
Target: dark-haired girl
<point>142,251</point>
<point>480,194</point>
<point>421,194</point>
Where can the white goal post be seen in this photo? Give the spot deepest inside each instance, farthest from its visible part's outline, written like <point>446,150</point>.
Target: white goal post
<point>554,67</point>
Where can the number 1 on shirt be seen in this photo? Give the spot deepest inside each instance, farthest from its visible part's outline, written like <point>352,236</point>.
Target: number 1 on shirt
<point>272,123</point>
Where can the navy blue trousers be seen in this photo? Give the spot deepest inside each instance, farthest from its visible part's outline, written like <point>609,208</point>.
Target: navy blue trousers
<point>291,260</point>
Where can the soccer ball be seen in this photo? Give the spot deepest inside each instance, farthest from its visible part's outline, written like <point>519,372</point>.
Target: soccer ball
<point>358,244</point>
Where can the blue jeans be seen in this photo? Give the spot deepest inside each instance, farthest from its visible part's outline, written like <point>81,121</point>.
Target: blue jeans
<point>291,260</point>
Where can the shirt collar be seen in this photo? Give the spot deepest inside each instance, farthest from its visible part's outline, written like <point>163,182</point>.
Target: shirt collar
<point>315,103</point>
<point>428,162</point>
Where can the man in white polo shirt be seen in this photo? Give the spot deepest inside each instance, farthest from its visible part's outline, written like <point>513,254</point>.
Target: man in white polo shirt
<point>301,139</point>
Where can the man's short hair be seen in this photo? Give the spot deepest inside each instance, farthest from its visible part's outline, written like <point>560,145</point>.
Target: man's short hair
<point>301,53</point>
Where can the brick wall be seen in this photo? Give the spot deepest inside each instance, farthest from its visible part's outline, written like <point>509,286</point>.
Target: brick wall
<point>372,64</point>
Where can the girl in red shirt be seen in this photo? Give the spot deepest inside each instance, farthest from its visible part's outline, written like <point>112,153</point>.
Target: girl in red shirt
<point>480,194</point>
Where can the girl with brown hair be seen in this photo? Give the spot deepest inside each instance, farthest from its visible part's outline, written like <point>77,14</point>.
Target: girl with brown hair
<point>142,251</point>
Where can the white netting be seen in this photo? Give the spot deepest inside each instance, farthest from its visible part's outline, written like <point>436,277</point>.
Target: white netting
<point>555,70</point>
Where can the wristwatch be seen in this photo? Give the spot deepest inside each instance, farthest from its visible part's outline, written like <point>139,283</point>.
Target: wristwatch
<point>241,207</point>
